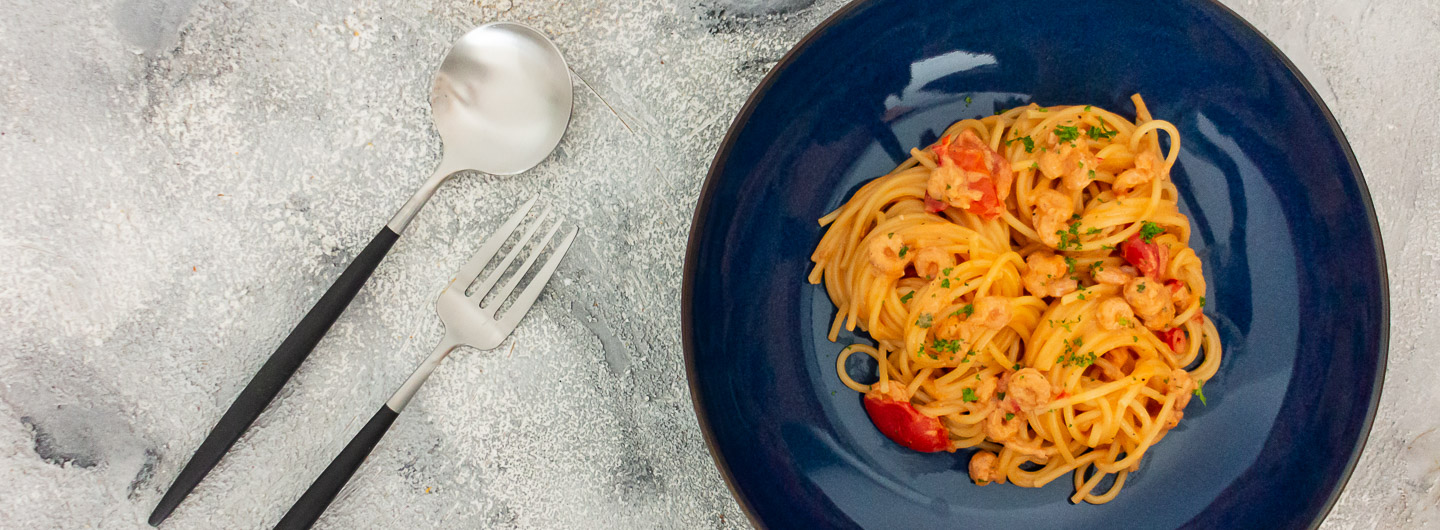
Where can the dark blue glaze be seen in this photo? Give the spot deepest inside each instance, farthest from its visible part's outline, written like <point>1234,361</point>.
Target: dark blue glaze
<point>1281,219</point>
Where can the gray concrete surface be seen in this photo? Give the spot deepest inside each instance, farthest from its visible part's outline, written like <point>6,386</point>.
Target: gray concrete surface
<point>182,178</point>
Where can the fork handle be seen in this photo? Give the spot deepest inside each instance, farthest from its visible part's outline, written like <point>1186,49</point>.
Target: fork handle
<point>312,503</point>
<point>276,371</point>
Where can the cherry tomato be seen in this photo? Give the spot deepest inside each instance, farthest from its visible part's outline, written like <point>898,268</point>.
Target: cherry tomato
<point>1150,258</point>
<point>901,423</point>
<point>1175,338</point>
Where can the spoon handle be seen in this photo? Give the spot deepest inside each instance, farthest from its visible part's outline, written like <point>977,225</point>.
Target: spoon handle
<point>275,372</point>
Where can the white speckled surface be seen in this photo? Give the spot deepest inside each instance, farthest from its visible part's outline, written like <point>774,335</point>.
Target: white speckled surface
<point>183,178</point>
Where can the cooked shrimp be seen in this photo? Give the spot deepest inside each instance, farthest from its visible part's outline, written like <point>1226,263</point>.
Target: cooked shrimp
<point>930,261</point>
<point>1079,169</point>
<point>1028,390</point>
<point>889,255</point>
<point>1073,164</point>
<point>1048,275</point>
<point>950,328</point>
<point>1052,210</point>
<point>1112,275</point>
<point>999,429</point>
<point>984,467</point>
<point>951,184</point>
<point>991,312</point>
<point>1114,314</point>
<point>1142,173</point>
<point>986,389</point>
<point>988,313</point>
<point>1151,302</point>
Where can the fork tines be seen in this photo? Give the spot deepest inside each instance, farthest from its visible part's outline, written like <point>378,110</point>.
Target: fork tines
<point>480,289</point>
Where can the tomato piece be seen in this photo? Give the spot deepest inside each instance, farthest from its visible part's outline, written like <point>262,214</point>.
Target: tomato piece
<point>1174,285</point>
<point>971,155</point>
<point>1150,258</point>
<point>934,205</point>
<point>1175,338</point>
<point>969,159</point>
<point>901,423</point>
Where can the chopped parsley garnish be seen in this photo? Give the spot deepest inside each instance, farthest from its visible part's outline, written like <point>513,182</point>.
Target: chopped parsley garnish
<point>1149,230</point>
<point>1202,301</point>
<point>945,283</point>
<point>1069,264</point>
<point>1087,108</point>
<point>1140,288</point>
<point>907,297</point>
<point>1200,392</point>
<point>904,249</point>
<point>1102,132</point>
<point>1124,321</point>
<point>1092,174</point>
<point>1026,141</point>
<point>1002,394</point>
<point>967,101</point>
<point>1069,238</point>
<point>1042,109</point>
<point>1009,416</point>
<point>1092,231</point>
<point>1067,133</point>
<point>1017,366</point>
<point>948,346</point>
<point>891,234</point>
<point>968,394</point>
<point>1071,356</point>
<point>969,310</point>
<point>925,320</point>
<point>946,270</point>
<point>1097,267</point>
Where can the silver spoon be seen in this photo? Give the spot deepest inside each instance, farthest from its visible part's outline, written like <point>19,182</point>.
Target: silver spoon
<point>501,101</point>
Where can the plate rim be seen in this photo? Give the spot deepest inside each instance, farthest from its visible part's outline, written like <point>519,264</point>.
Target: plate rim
<point>722,154</point>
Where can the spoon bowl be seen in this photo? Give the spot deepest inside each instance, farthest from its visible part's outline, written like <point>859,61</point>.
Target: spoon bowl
<point>501,99</point>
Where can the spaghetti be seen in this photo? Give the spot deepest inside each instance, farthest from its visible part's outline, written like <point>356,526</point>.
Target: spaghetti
<point>1029,282</point>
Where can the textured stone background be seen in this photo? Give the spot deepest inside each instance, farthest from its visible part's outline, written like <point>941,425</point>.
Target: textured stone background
<point>182,179</point>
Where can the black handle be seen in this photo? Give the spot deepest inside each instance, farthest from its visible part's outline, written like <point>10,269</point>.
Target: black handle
<point>276,371</point>
<point>313,502</point>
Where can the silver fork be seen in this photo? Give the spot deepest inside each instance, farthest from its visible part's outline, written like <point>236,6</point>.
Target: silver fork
<point>467,323</point>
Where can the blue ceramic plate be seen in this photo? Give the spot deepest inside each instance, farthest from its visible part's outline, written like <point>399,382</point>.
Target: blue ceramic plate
<point>1281,219</point>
